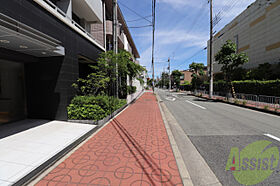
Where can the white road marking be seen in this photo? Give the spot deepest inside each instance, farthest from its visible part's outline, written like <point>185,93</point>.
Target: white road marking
<point>196,105</point>
<point>170,99</point>
<point>273,137</point>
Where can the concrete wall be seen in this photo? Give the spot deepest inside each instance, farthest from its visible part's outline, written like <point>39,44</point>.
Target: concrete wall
<point>139,90</point>
<point>256,32</point>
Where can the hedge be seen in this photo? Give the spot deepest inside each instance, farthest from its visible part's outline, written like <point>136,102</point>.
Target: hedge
<point>268,88</point>
<point>131,89</point>
<point>93,107</point>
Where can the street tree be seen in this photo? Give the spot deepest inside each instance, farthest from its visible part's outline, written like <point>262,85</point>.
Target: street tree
<point>197,70</point>
<point>230,60</point>
<point>164,80</point>
<point>101,80</point>
<point>175,77</point>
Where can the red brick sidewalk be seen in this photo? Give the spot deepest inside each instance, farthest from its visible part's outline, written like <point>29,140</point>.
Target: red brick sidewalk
<point>131,150</point>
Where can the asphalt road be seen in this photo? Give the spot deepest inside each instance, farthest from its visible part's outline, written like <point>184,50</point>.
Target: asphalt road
<point>214,128</point>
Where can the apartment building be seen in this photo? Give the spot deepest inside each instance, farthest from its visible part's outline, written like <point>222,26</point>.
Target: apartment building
<point>125,40</point>
<point>45,45</point>
<point>256,31</point>
<point>187,75</point>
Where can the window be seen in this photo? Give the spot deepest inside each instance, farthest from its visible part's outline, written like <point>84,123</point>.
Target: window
<point>236,42</point>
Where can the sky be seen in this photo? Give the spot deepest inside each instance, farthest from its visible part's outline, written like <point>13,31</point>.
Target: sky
<point>182,29</point>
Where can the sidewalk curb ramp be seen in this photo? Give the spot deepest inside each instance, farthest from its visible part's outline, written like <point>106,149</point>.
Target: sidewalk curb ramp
<point>27,179</point>
<point>193,168</point>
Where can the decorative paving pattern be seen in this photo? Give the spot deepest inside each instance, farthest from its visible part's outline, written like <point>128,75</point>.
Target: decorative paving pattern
<point>133,150</point>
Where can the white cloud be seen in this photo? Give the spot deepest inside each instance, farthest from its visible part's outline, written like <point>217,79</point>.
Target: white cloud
<point>179,36</point>
<point>182,3</point>
<point>172,40</point>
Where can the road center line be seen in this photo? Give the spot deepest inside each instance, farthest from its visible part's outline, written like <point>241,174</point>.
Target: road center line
<point>196,105</point>
<point>273,137</point>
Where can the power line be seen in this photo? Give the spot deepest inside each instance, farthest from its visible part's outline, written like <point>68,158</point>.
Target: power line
<point>135,12</point>
<point>218,17</point>
<point>144,26</point>
<point>195,54</point>
<point>139,19</point>
<point>194,23</point>
<point>226,10</point>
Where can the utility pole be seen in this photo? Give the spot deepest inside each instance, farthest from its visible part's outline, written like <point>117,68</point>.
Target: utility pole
<point>115,40</point>
<point>163,74</point>
<point>210,50</point>
<point>169,74</point>
<point>153,45</point>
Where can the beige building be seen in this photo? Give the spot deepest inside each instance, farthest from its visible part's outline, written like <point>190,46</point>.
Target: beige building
<point>256,31</point>
<point>187,75</point>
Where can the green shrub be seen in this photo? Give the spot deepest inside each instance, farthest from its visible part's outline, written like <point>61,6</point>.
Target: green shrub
<point>131,89</point>
<point>236,102</point>
<point>93,107</point>
<point>85,112</point>
<point>244,103</point>
<point>269,88</point>
<point>266,107</point>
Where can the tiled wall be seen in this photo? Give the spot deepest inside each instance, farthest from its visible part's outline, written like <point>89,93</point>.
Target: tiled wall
<point>97,31</point>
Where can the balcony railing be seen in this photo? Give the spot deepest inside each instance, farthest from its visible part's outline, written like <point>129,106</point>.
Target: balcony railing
<point>75,24</point>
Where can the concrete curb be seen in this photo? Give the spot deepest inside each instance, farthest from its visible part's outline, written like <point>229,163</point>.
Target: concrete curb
<point>186,179</point>
<point>33,175</point>
<point>200,174</point>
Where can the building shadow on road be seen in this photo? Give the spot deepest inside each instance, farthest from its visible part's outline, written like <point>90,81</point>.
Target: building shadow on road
<point>204,100</point>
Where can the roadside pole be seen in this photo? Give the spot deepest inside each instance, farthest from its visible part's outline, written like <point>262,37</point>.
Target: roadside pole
<point>115,41</point>
<point>210,51</point>
<point>153,45</point>
<point>169,75</point>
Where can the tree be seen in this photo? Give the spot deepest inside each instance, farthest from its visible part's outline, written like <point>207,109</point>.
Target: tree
<point>164,81</point>
<point>263,72</point>
<point>149,82</point>
<point>102,80</point>
<point>175,76</point>
<point>197,71</point>
<point>97,82</point>
<point>230,61</point>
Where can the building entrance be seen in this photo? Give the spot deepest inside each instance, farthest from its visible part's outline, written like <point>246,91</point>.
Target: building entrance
<point>12,93</point>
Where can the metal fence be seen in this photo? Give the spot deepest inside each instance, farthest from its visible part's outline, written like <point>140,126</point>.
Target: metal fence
<point>259,101</point>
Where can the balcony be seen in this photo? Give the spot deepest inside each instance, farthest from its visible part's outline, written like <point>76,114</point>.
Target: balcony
<point>90,10</point>
<point>66,17</point>
<point>109,32</point>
